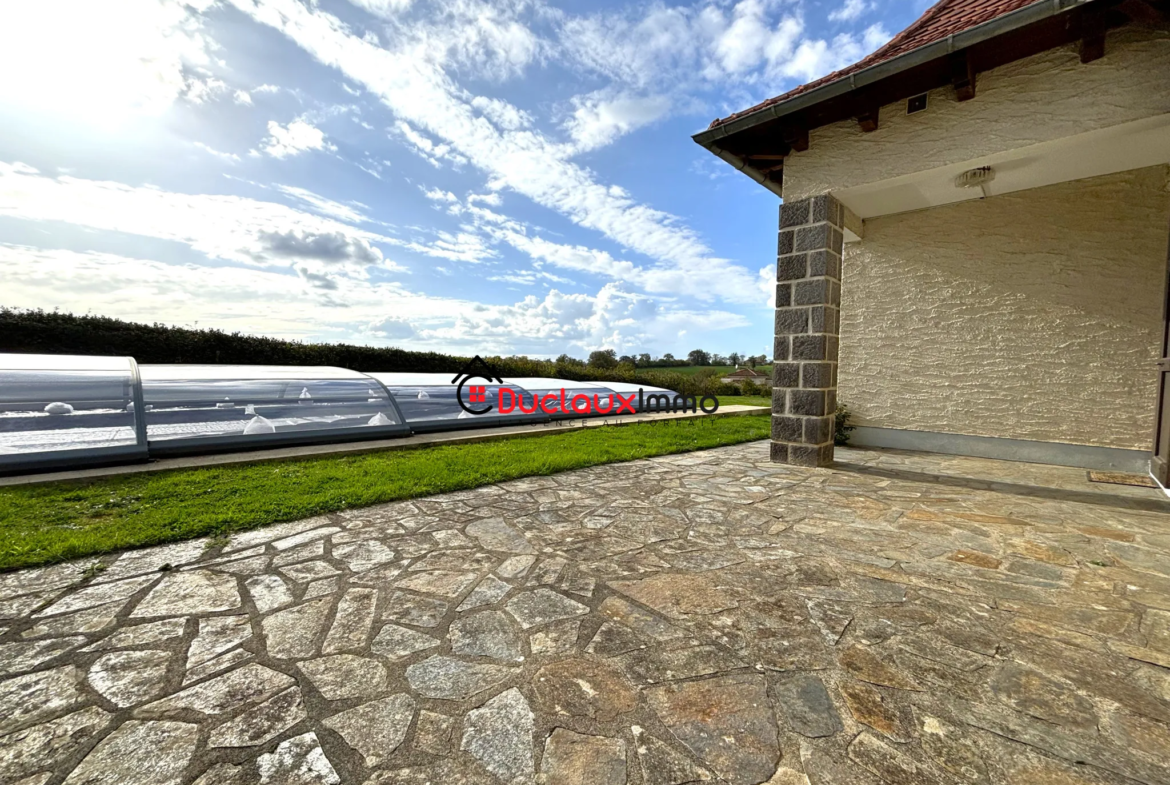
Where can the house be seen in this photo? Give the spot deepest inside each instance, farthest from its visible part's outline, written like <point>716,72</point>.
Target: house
<point>739,375</point>
<point>972,247</point>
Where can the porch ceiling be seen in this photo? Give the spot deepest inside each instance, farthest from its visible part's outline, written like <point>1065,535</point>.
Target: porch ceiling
<point>1120,148</point>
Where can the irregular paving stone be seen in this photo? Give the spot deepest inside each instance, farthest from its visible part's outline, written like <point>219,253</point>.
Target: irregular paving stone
<point>100,594</point>
<point>726,721</point>
<point>548,572</point>
<point>375,729</point>
<point>830,618</point>
<point>495,535</point>
<point>1156,627</point>
<point>653,666</point>
<point>445,677</point>
<point>141,635</point>
<point>486,634</point>
<point>439,582</point>
<point>118,758</point>
<point>489,591</point>
<point>1042,696</point>
<point>26,655</point>
<point>363,556</point>
<point>515,566</point>
<point>975,559</point>
<point>309,571</point>
<point>297,761</point>
<point>613,639</point>
<point>678,596</point>
<point>250,684</point>
<point>397,642</point>
<point>296,540</point>
<point>499,735</point>
<point>36,696</point>
<point>312,550</point>
<point>39,580</point>
<point>868,707</point>
<point>583,688</point>
<point>951,751</point>
<point>215,665</point>
<point>164,558</point>
<point>555,638</point>
<point>351,625</point>
<point>889,763</point>
<point>292,633</point>
<point>321,588</point>
<point>128,677</point>
<point>435,733</point>
<point>262,722</point>
<point>541,606</point>
<point>412,609</point>
<point>577,759</point>
<point>18,607</point>
<point>269,592</point>
<point>93,619</point>
<point>641,621</point>
<point>662,765</point>
<point>216,635</point>
<point>867,666</point>
<point>343,676</point>
<point>805,703</point>
<point>44,745</point>
<point>190,593</point>
<point>221,774</point>
<point>450,538</point>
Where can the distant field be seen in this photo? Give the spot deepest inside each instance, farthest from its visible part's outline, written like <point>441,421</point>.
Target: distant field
<point>691,370</point>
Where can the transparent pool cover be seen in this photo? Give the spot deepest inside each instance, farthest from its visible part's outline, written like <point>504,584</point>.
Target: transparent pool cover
<point>63,411</point>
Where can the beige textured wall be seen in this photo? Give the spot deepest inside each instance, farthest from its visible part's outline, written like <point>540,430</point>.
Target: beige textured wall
<point>1033,315</point>
<point>1048,96</point>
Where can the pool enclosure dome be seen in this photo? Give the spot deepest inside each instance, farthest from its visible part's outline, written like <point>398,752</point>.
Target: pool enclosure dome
<point>71,411</point>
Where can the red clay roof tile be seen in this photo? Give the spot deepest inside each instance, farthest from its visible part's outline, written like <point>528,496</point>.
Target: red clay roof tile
<point>944,18</point>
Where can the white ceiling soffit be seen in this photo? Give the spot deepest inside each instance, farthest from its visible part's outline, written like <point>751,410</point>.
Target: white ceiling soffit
<point>1133,145</point>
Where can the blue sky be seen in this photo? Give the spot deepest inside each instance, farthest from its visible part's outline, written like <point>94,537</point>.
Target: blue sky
<point>474,176</point>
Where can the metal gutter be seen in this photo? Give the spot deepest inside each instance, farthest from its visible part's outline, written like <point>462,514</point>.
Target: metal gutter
<point>1009,22</point>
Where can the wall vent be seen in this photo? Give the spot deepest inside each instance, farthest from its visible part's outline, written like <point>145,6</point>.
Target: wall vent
<point>916,104</point>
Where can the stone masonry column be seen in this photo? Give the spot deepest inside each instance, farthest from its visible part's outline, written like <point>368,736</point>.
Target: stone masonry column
<point>808,320</point>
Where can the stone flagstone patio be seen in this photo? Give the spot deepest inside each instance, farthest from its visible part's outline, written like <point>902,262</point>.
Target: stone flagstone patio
<point>711,617</point>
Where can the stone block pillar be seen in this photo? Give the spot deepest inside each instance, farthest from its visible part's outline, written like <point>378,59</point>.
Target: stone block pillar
<point>808,320</point>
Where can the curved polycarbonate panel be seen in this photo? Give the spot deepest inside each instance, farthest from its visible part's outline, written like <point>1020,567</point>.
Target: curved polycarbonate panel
<point>426,398</point>
<point>238,404</point>
<point>59,411</point>
<point>54,406</point>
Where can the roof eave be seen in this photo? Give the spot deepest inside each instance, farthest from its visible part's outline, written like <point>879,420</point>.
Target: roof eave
<point>1007,23</point>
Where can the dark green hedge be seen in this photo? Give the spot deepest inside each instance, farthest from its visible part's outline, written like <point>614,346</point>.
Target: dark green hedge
<point>42,332</point>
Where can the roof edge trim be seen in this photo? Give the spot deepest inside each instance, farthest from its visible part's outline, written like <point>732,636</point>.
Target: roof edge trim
<point>1009,22</point>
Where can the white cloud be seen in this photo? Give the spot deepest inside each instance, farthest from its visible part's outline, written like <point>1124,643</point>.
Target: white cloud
<point>438,195</point>
<point>229,157</point>
<point>383,8</point>
<point>233,228</point>
<point>327,207</point>
<point>850,11</point>
<point>269,302</point>
<point>297,137</point>
<point>102,62</point>
<point>431,152</point>
<point>601,117</point>
<point>242,97</point>
<point>525,161</point>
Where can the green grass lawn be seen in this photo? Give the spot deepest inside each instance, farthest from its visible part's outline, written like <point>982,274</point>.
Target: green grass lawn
<point>745,400</point>
<point>691,370</point>
<point>40,524</point>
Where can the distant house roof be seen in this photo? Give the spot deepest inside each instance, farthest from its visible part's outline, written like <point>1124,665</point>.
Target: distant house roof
<point>943,19</point>
<point>745,373</point>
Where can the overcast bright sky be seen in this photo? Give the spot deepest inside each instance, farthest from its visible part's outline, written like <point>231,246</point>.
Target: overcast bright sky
<point>477,176</point>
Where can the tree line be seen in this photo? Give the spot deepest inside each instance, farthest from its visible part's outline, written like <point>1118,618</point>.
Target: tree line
<point>50,332</point>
